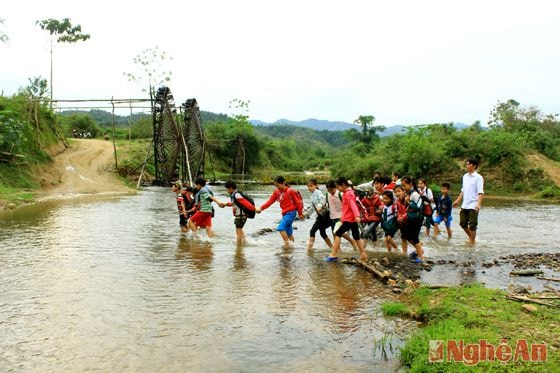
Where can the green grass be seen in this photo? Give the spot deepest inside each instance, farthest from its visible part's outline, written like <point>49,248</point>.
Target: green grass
<point>395,309</point>
<point>471,313</point>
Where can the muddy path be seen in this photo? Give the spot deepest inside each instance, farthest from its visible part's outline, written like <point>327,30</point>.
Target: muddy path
<point>86,167</point>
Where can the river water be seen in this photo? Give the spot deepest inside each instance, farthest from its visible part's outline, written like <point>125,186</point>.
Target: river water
<point>110,285</point>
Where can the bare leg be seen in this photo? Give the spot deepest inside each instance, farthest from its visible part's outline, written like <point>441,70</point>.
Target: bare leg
<point>240,235</point>
<point>193,228</point>
<point>470,234</point>
<point>436,230</point>
<point>351,240</point>
<point>209,231</point>
<point>419,250</point>
<point>310,243</point>
<point>328,242</point>
<point>449,233</point>
<point>362,248</point>
<point>335,248</point>
<point>285,238</point>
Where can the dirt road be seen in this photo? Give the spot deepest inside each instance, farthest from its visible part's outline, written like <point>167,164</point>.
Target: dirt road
<point>84,168</point>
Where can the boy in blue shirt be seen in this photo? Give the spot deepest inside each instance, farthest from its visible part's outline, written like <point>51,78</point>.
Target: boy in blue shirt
<point>443,210</point>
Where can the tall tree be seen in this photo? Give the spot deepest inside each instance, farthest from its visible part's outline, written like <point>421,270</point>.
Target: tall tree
<point>369,131</point>
<point>36,93</point>
<point>151,63</point>
<point>65,33</point>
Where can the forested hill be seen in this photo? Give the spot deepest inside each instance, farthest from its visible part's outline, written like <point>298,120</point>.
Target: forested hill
<point>514,149</point>
<point>326,125</point>
<point>105,119</point>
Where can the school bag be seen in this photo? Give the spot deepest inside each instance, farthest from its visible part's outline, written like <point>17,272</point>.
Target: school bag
<point>297,198</point>
<point>426,205</point>
<point>364,215</point>
<point>250,213</point>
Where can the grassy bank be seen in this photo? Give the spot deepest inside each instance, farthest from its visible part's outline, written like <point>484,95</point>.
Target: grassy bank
<point>470,314</point>
<point>17,186</point>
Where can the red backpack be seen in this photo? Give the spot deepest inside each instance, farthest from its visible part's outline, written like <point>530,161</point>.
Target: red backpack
<point>297,198</point>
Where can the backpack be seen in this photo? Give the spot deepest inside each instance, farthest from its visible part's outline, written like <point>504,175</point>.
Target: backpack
<point>426,205</point>
<point>363,211</point>
<point>250,213</point>
<point>297,198</point>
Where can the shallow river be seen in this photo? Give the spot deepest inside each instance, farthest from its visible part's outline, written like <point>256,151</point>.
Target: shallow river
<point>111,285</point>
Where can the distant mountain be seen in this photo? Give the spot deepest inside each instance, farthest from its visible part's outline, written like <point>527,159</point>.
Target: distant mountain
<point>318,124</point>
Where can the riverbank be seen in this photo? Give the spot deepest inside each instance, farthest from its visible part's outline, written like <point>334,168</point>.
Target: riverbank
<point>86,167</point>
<point>518,312</point>
<point>518,316</point>
<point>460,322</point>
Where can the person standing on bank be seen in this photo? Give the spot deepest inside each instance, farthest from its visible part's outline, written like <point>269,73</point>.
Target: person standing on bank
<point>472,193</point>
<point>290,203</point>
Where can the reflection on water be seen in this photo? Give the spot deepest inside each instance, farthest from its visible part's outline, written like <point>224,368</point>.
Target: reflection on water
<point>112,285</point>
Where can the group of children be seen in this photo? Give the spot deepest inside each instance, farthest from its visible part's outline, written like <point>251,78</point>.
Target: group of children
<point>352,213</point>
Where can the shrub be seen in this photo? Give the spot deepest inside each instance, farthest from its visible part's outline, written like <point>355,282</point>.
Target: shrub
<point>550,192</point>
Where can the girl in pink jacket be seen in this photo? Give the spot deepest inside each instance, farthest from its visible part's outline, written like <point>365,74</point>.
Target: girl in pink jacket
<point>350,219</point>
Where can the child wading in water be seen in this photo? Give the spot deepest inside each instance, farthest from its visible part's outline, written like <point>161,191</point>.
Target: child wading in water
<point>203,207</point>
<point>334,203</point>
<point>240,208</point>
<point>411,229</point>
<point>290,203</point>
<point>350,220</point>
<point>389,223</point>
<point>443,210</point>
<point>181,206</point>
<point>401,213</point>
<point>320,208</point>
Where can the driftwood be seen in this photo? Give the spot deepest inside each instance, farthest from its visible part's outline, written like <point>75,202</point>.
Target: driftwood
<point>380,274</point>
<point>548,278</point>
<point>534,297</point>
<point>526,272</point>
<point>437,286</point>
<point>370,268</point>
<point>522,298</point>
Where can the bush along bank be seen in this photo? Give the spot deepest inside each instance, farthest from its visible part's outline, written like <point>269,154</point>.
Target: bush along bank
<point>471,327</point>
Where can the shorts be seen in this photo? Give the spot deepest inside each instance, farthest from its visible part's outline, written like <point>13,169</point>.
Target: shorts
<point>183,221</point>
<point>410,231</point>
<point>202,219</point>
<point>240,221</point>
<point>349,226</point>
<point>439,218</point>
<point>286,223</point>
<point>468,218</point>
<point>333,223</point>
<point>390,232</point>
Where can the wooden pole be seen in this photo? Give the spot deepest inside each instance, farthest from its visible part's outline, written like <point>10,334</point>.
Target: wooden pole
<point>114,145</point>
<point>130,121</point>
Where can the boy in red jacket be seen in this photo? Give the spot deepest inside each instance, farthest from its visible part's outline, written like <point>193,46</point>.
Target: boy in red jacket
<point>290,203</point>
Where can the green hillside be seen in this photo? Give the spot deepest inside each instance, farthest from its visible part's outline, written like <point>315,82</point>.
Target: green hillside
<point>519,151</point>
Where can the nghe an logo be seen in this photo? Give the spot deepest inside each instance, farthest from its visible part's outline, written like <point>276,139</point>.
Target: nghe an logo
<point>474,353</point>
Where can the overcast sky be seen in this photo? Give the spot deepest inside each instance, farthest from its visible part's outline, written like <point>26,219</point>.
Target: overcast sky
<point>405,62</point>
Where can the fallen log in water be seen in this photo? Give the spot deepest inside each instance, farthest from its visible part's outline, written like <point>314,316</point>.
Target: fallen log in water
<point>548,278</point>
<point>382,275</point>
<point>526,272</point>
